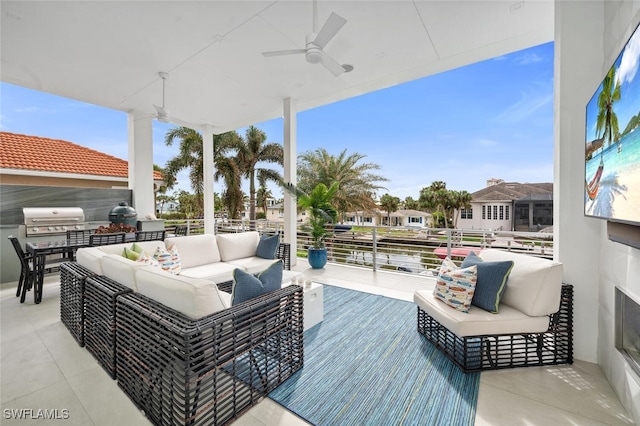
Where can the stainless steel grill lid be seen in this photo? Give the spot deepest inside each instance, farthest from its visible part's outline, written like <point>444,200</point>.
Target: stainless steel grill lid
<point>52,220</point>
<point>52,215</point>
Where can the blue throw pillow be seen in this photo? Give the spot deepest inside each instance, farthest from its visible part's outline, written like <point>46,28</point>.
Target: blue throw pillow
<point>247,286</point>
<point>268,246</point>
<point>491,283</point>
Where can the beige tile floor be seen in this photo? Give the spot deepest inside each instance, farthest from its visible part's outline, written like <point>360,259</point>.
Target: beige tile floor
<point>42,367</point>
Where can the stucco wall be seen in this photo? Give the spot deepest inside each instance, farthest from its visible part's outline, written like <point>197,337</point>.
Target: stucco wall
<point>588,38</point>
<point>7,179</point>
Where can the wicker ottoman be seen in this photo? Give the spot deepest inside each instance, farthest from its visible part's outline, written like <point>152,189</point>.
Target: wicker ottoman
<point>100,320</point>
<point>72,288</point>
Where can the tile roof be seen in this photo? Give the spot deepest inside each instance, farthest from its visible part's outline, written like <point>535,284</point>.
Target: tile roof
<point>509,191</point>
<point>36,153</point>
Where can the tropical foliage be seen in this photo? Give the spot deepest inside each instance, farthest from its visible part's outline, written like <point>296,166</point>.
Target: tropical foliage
<point>235,158</point>
<point>357,180</point>
<point>389,204</point>
<point>251,151</point>
<point>319,202</point>
<point>442,202</point>
<point>607,120</point>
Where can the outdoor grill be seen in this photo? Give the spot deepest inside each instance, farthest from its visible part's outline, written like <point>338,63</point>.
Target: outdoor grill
<point>51,221</point>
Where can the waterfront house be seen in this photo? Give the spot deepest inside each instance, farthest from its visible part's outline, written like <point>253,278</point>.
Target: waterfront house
<point>509,206</point>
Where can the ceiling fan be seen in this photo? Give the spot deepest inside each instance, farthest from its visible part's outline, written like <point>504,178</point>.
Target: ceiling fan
<point>163,114</point>
<point>316,42</point>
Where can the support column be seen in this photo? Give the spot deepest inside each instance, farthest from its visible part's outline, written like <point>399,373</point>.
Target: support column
<point>290,175</point>
<point>208,170</point>
<point>141,162</point>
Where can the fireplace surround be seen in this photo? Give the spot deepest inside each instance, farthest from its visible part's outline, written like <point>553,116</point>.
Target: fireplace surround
<point>627,328</point>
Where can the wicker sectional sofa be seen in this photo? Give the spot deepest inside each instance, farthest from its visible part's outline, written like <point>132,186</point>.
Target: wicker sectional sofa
<point>533,326</point>
<point>174,343</point>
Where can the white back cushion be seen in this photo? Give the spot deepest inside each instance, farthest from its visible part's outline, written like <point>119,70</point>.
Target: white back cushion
<point>534,285</point>
<point>89,257</point>
<point>238,246</point>
<point>194,298</point>
<point>195,250</point>
<point>121,269</point>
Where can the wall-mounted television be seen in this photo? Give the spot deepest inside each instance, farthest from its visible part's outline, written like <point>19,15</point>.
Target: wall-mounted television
<point>612,146</point>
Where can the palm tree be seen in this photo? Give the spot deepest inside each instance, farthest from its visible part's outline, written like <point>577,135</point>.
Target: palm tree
<point>262,197</point>
<point>462,200</point>
<point>390,204</point>
<point>435,198</point>
<point>251,151</point>
<point>190,157</point>
<point>607,120</point>
<point>356,181</point>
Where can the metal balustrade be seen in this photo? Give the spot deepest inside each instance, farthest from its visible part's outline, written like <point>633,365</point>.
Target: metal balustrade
<point>402,249</point>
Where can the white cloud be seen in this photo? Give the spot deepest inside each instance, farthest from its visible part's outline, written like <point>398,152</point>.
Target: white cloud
<point>528,103</point>
<point>35,109</point>
<point>486,143</point>
<point>629,62</point>
<point>527,58</point>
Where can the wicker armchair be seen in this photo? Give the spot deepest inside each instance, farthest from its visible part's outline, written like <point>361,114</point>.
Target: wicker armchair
<point>182,371</point>
<point>488,352</point>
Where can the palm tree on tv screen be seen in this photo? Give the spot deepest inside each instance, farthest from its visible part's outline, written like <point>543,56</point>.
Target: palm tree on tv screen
<point>607,120</point>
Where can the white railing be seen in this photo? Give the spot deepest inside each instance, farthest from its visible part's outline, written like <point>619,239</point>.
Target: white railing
<point>403,249</point>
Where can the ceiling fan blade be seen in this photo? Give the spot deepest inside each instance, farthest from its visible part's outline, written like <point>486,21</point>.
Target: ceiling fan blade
<point>283,52</point>
<point>330,28</point>
<point>332,65</point>
<point>163,114</point>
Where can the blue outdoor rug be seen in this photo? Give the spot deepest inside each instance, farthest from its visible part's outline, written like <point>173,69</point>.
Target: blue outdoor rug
<point>366,364</point>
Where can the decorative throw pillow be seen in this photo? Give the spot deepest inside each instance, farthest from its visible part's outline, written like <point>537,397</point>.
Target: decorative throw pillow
<point>147,260</point>
<point>268,246</point>
<point>130,254</point>
<point>137,248</point>
<point>455,286</point>
<point>247,286</point>
<point>169,259</point>
<point>492,281</point>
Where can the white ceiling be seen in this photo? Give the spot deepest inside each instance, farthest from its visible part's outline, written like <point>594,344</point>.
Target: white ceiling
<point>109,53</point>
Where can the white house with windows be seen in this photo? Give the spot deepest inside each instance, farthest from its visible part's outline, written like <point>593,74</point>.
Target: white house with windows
<point>406,218</point>
<point>509,206</point>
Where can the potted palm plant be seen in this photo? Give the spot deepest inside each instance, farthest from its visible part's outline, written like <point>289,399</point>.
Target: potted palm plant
<point>322,215</point>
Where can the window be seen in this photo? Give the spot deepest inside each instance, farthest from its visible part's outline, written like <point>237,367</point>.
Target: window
<point>466,214</point>
<point>495,212</point>
<point>415,219</point>
<point>484,215</point>
<point>506,212</point>
<point>366,219</point>
<point>501,212</point>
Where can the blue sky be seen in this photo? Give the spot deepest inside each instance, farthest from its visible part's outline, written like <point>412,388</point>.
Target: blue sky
<point>492,119</point>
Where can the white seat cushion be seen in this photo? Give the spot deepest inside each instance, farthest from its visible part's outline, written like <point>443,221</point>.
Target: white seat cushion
<point>478,321</point>
<point>238,246</point>
<point>194,298</point>
<point>252,264</point>
<point>217,272</point>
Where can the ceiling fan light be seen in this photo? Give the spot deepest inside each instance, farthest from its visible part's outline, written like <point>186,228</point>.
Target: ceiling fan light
<point>314,56</point>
